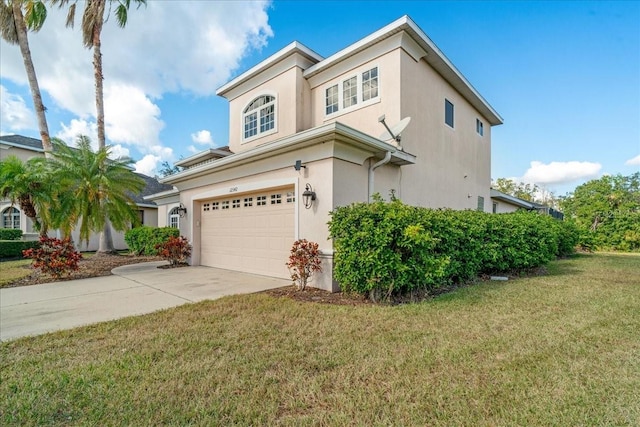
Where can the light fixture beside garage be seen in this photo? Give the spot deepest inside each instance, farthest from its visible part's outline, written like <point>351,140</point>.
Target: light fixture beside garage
<point>182,210</point>
<point>299,165</point>
<point>308,196</point>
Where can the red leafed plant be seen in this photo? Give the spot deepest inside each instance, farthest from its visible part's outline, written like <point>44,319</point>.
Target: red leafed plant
<point>176,250</point>
<point>303,262</point>
<point>54,256</point>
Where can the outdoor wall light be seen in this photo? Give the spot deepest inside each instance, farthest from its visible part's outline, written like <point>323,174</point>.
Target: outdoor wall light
<point>299,165</point>
<point>182,210</point>
<point>308,197</point>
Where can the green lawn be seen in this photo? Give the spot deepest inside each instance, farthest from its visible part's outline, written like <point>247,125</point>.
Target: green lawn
<point>11,271</point>
<point>556,350</point>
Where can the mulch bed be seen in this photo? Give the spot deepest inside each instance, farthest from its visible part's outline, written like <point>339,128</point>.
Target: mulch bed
<point>94,266</point>
<point>318,296</point>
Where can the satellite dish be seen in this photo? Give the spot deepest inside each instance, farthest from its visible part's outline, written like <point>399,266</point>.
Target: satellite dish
<point>395,132</point>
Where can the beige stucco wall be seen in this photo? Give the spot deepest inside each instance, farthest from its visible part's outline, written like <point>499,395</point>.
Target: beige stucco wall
<point>22,154</point>
<point>504,207</point>
<point>362,116</point>
<point>290,91</point>
<point>453,164</point>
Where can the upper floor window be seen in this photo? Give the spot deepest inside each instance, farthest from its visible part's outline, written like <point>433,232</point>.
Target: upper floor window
<point>350,92</point>
<point>259,116</point>
<point>11,218</point>
<point>370,84</point>
<point>479,127</point>
<point>448,112</point>
<point>174,218</point>
<point>332,99</point>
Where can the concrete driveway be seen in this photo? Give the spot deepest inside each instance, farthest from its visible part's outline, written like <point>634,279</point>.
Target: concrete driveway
<point>131,290</point>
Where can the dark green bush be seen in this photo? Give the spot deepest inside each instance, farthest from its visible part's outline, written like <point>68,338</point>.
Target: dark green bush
<point>384,249</point>
<point>14,248</point>
<point>10,234</point>
<point>143,240</point>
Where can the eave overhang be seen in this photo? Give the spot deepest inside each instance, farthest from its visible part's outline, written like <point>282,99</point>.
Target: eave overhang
<point>335,131</point>
<point>499,195</point>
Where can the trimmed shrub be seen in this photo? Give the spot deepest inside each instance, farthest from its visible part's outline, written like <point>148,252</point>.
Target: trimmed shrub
<point>14,248</point>
<point>54,256</point>
<point>384,249</point>
<point>176,250</point>
<point>10,234</point>
<point>303,262</point>
<point>144,240</point>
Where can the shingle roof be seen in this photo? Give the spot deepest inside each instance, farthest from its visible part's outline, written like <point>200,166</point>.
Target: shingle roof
<point>152,186</point>
<point>24,141</point>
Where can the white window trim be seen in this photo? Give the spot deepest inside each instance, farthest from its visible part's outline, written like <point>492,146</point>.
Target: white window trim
<point>360,104</point>
<point>275,118</point>
<point>15,213</point>
<point>172,215</point>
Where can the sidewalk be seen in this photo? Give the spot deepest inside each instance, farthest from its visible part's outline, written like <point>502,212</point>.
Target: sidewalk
<point>131,290</point>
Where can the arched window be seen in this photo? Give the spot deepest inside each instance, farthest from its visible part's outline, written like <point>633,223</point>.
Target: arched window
<point>260,116</point>
<point>11,218</point>
<point>174,218</point>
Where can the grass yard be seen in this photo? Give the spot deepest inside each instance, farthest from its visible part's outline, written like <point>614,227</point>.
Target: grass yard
<point>13,270</point>
<point>556,350</point>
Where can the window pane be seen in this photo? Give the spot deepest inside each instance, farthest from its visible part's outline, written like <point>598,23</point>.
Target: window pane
<point>350,92</point>
<point>250,125</point>
<point>332,99</point>
<point>267,118</point>
<point>448,112</point>
<point>370,84</point>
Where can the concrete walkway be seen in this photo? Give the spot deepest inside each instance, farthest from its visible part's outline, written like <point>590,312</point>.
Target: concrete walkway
<point>131,290</point>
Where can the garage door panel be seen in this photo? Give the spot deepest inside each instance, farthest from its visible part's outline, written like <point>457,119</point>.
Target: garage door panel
<point>249,237</point>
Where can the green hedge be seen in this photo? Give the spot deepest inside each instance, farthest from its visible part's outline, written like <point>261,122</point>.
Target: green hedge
<point>143,240</point>
<point>10,234</point>
<point>14,248</point>
<point>385,249</point>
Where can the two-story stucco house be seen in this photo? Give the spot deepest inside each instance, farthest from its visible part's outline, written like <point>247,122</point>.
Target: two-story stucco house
<point>300,122</point>
<point>11,216</point>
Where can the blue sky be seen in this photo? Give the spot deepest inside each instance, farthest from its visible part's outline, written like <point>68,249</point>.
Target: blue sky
<point>565,76</point>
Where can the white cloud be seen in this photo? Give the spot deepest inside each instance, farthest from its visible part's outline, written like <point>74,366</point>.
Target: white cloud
<point>202,137</point>
<point>634,161</point>
<point>14,113</point>
<point>193,149</point>
<point>560,172</point>
<point>118,151</point>
<point>141,62</point>
<point>76,127</point>
<point>131,117</point>
<point>148,164</point>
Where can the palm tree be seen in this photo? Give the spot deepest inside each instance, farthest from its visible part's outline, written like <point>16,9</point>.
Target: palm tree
<point>92,20</point>
<point>13,28</point>
<point>29,185</point>
<point>93,189</point>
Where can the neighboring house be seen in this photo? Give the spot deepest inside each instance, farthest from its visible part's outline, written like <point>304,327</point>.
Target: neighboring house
<point>300,123</point>
<point>11,216</point>
<point>505,203</point>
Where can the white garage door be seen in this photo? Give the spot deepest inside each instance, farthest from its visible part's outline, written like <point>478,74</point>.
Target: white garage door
<point>252,233</point>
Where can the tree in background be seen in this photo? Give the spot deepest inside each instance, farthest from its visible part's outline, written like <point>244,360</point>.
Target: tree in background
<point>93,189</point>
<point>167,169</point>
<point>607,211</point>
<point>14,26</point>
<point>29,185</point>
<point>528,192</point>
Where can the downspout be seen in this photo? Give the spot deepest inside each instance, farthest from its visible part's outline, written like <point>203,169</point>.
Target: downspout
<point>387,159</point>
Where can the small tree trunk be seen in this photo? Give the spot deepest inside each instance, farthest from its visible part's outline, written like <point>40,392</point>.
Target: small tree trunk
<point>105,245</point>
<point>23,42</point>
